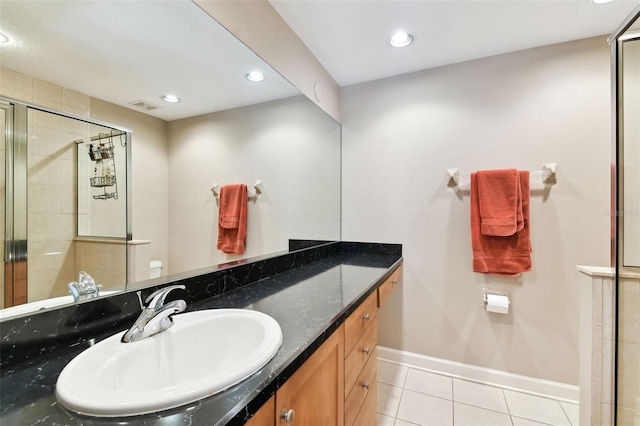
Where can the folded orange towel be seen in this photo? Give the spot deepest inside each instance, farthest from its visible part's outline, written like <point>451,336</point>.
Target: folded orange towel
<point>232,219</point>
<point>500,199</point>
<point>501,255</point>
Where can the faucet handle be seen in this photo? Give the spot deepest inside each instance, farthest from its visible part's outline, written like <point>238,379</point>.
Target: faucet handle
<point>156,299</point>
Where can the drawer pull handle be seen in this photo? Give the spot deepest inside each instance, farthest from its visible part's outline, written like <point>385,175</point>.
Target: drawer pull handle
<point>365,385</point>
<point>287,416</point>
<point>366,350</point>
<point>366,317</point>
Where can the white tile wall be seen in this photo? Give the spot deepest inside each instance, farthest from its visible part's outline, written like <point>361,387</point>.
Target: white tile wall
<point>597,366</point>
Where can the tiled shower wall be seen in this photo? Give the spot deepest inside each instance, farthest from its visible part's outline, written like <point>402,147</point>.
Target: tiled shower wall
<point>598,353</point>
<point>103,259</point>
<point>629,350</point>
<point>596,345</point>
<point>52,193</point>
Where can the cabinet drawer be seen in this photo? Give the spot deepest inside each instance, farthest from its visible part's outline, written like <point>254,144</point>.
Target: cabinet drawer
<point>360,389</point>
<point>368,412</point>
<point>390,284</point>
<point>358,322</point>
<point>359,356</point>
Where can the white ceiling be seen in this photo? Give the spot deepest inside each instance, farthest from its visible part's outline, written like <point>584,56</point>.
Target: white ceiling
<point>123,51</point>
<point>349,37</point>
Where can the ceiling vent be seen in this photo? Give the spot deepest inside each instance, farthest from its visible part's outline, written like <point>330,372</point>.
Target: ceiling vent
<point>145,105</point>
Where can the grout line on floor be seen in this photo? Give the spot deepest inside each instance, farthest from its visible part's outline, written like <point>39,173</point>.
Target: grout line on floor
<point>566,414</point>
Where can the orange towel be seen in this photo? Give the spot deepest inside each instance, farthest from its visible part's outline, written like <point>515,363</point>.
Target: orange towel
<point>232,219</point>
<point>500,198</point>
<point>501,255</point>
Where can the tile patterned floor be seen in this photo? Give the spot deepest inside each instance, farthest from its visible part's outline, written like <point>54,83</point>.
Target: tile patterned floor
<point>410,397</point>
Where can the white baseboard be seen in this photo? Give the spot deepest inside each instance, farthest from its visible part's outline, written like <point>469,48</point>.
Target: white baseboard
<point>516,382</point>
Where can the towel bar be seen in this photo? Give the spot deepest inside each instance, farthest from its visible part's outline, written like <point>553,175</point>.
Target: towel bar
<point>548,174</point>
<point>257,186</point>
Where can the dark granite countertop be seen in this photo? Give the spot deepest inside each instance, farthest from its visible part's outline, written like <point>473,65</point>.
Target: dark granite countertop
<point>308,301</point>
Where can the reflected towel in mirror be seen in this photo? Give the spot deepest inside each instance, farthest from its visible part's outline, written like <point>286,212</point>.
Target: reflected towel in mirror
<point>232,219</point>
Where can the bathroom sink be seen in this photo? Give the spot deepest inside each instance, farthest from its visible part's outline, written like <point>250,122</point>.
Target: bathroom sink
<point>204,353</point>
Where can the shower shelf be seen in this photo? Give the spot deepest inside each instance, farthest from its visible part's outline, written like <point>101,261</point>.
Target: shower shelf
<point>106,196</point>
<point>100,152</point>
<point>102,181</point>
<point>105,169</point>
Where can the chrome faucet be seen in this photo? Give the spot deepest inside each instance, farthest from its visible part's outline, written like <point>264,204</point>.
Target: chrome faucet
<point>85,288</point>
<point>156,316</point>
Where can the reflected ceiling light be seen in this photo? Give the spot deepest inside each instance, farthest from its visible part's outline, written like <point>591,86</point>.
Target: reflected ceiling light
<point>601,1</point>
<point>170,98</point>
<point>4,38</point>
<point>401,39</point>
<point>255,76</point>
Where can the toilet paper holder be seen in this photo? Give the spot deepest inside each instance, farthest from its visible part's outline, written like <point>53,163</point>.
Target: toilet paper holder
<point>486,292</point>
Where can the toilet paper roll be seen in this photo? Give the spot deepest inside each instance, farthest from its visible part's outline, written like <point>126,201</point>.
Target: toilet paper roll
<point>497,303</point>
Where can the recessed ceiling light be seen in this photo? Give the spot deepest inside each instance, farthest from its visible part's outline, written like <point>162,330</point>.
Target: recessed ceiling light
<point>401,39</point>
<point>170,98</point>
<point>255,76</point>
<point>4,38</point>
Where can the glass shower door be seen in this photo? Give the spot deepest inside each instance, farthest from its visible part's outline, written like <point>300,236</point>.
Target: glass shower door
<point>14,255</point>
<point>4,128</point>
<point>625,54</point>
<point>50,205</point>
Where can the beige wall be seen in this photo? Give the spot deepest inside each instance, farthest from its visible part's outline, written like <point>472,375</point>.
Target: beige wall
<point>550,104</point>
<point>291,145</point>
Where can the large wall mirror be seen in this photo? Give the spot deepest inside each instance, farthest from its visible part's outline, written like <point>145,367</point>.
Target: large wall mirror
<point>111,62</point>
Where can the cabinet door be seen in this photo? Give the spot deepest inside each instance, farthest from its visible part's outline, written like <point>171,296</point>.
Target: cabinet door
<point>315,392</point>
<point>264,416</point>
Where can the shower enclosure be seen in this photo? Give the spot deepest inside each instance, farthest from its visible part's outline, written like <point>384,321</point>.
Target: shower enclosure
<point>65,203</point>
<point>625,60</point>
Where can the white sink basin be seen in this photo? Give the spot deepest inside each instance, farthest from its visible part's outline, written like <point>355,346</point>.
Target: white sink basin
<point>204,353</point>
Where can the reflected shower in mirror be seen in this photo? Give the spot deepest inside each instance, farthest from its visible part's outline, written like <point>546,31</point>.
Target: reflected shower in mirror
<point>112,62</point>
<point>46,259</point>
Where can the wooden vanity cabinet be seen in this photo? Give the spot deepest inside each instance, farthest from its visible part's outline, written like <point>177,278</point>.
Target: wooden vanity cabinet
<point>361,360</point>
<point>337,385</point>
